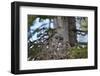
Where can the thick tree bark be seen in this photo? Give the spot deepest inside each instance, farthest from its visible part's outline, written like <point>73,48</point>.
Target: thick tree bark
<point>65,28</point>
<point>61,25</point>
<point>72,33</point>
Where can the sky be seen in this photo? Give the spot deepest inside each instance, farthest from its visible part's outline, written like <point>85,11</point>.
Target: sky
<point>81,38</point>
<point>36,24</point>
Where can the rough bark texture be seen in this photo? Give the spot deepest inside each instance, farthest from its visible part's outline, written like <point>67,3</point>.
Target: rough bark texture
<point>61,25</point>
<point>72,33</point>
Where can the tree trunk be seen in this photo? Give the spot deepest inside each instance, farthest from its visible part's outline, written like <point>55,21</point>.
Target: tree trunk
<point>65,28</point>
<point>72,33</point>
<point>61,25</point>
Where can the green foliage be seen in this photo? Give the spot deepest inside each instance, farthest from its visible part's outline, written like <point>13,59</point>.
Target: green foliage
<point>78,52</point>
<point>33,52</point>
<point>84,24</point>
<point>31,18</point>
<point>45,17</point>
